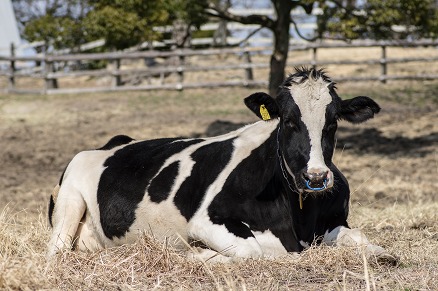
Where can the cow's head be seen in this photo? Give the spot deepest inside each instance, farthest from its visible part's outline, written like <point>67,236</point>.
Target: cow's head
<point>308,109</point>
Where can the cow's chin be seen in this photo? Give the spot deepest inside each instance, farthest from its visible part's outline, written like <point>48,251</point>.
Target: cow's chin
<point>318,191</point>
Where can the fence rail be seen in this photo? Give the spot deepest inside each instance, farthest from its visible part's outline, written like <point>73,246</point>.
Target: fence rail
<point>50,74</point>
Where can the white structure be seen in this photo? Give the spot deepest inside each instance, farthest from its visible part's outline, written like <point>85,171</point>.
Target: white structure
<point>8,28</point>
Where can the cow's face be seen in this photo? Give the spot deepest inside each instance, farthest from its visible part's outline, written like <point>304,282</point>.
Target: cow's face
<point>309,109</point>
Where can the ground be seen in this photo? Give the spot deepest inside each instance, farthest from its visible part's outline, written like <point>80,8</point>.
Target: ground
<point>391,163</point>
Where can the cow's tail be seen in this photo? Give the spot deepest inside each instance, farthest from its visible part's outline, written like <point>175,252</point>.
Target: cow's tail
<point>52,202</point>
<point>53,198</point>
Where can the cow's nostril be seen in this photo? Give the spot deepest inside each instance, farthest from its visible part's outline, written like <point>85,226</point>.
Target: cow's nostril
<point>316,180</point>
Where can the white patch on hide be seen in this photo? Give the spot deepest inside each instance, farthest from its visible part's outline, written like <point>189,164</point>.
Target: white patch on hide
<point>270,244</point>
<point>312,97</point>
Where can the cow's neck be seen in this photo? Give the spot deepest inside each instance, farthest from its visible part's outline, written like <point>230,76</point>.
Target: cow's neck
<point>287,175</point>
<point>289,184</point>
<point>261,161</point>
<point>271,163</point>
<point>304,207</point>
<point>272,195</point>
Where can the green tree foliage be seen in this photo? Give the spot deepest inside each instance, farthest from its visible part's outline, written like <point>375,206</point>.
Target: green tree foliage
<point>191,12</point>
<point>122,23</point>
<point>376,19</point>
<point>125,23</point>
<point>54,21</point>
<point>62,32</point>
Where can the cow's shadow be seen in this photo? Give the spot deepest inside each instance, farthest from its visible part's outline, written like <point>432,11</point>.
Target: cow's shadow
<point>360,141</point>
<point>219,127</point>
<point>372,140</point>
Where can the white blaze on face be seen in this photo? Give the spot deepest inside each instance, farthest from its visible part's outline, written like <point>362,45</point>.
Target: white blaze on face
<point>312,97</point>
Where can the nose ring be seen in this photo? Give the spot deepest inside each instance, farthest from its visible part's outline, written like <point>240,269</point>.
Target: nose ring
<point>316,189</point>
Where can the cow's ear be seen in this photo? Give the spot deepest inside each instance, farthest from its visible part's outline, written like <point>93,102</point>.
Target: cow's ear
<point>358,109</point>
<point>263,105</point>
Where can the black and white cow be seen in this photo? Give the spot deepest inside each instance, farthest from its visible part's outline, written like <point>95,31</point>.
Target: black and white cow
<point>266,189</point>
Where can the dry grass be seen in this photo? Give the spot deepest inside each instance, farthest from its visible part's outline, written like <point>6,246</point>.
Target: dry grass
<point>150,265</point>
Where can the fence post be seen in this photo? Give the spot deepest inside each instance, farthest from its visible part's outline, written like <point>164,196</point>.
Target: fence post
<point>383,65</point>
<point>249,76</point>
<point>50,82</point>
<point>180,71</point>
<point>313,61</point>
<point>161,79</point>
<point>12,69</point>
<point>117,79</point>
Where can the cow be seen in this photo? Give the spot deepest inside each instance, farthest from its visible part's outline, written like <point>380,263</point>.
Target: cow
<point>265,190</point>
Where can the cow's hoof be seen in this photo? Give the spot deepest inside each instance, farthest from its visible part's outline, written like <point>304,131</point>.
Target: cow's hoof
<point>380,256</point>
<point>207,256</point>
<point>387,259</point>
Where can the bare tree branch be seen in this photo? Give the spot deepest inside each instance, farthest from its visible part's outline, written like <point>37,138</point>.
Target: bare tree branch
<point>307,8</point>
<point>299,33</point>
<point>340,5</point>
<point>249,36</point>
<point>262,20</point>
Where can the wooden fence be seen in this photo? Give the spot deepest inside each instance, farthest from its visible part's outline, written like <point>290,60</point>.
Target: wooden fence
<point>49,70</point>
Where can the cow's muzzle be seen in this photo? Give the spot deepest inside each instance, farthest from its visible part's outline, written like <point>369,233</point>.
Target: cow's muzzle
<point>318,180</point>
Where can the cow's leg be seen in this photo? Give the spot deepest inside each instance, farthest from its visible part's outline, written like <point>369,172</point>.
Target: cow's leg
<point>344,236</point>
<point>85,237</point>
<point>228,237</point>
<point>68,212</point>
<point>270,244</point>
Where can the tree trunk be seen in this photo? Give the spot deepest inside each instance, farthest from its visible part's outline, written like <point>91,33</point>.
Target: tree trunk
<point>281,45</point>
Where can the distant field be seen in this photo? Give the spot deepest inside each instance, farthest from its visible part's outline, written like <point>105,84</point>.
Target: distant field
<point>391,164</point>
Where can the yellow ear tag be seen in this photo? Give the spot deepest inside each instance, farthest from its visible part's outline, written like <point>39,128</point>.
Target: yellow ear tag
<point>264,112</point>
